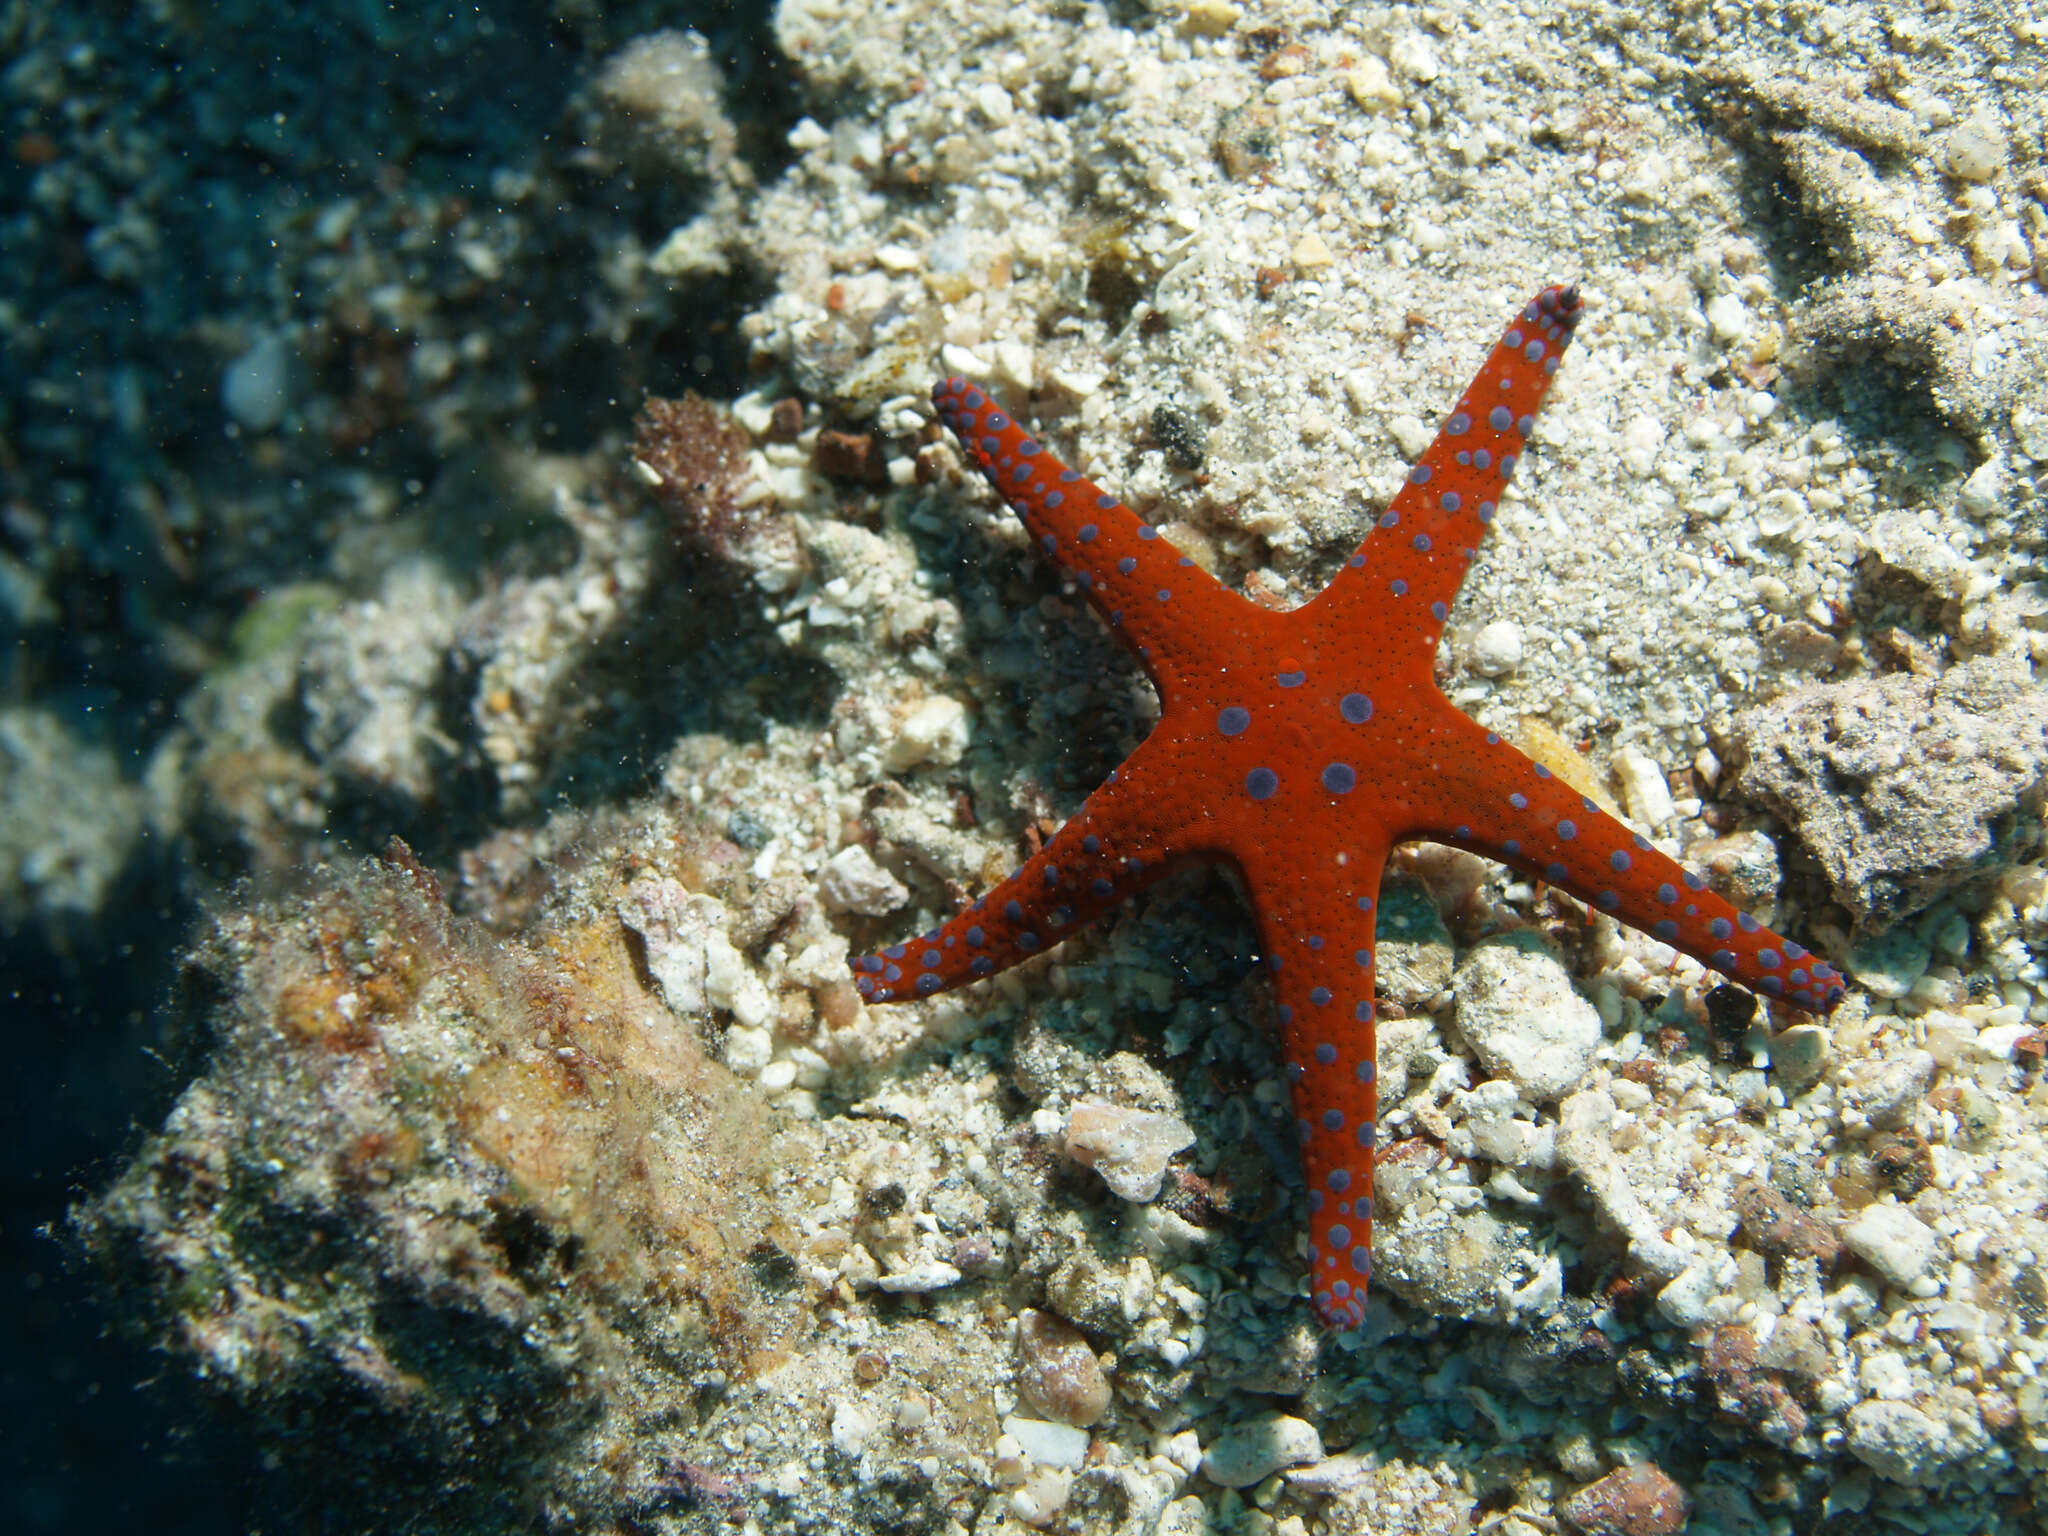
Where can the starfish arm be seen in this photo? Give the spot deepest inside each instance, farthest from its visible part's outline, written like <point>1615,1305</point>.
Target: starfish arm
<point>1500,803</point>
<point>1317,926</point>
<point>1400,582</point>
<point>1166,608</point>
<point>1128,834</point>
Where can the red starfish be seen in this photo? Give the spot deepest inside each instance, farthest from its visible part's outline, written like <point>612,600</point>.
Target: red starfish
<point>1302,746</point>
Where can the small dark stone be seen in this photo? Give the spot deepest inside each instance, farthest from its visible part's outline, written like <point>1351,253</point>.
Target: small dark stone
<point>1904,1162</point>
<point>2028,1290</point>
<point>1180,435</point>
<point>855,456</point>
<point>974,1255</point>
<point>748,830</point>
<point>1563,1358</point>
<point>1730,1012</point>
<point>1778,1229</point>
<point>885,1201</point>
<point>1664,1383</point>
<point>774,1270</point>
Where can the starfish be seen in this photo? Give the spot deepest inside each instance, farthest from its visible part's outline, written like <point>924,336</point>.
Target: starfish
<point>1301,746</point>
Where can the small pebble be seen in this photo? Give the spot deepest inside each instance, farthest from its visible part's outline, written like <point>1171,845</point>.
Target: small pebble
<point>913,1413</point>
<point>1896,1440</point>
<point>1684,1302</point>
<point>852,881</point>
<point>854,456</point>
<point>1517,1007</point>
<point>1799,1055</point>
<point>748,1050</point>
<point>853,1426</point>
<point>1060,1376</point>
<point>1042,1498</point>
<point>1727,318</point>
<point>1887,1092</point>
<point>1311,252</point>
<point>973,1255</point>
<point>256,388</point>
<point>1644,789</point>
<point>934,731</point>
<point>1892,1241</point>
<point>1635,1501</point>
<point>1129,1148</point>
<point>1998,1041</point>
<point>1048,1444</point>
<point>1210,18</point>
<point>1371,87</point>
<point>919,1279</point>
<point>1778,1229</point>
<point>1497,648</point>
<point>1975,151</point>
<point>1251,1451</point>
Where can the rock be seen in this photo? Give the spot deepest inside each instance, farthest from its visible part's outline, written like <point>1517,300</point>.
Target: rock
<point>1975,150</point>
<point>1905,788</point>
<point>1043,1496</point>
<point>1641,1500</point>
<point>852,881</point>
<point>935,730</point>
<point>920,1279</point>
<point>853,1426</point>
<point>1491,1127</point>
<point>1889,964</point>
<point>1684,1301</point>
<point>1799,1055</point>
<point>665,90</point>
<point>1885,1093</point>
<point>371,681</point>
<point>1059,1376</point>
<point>1517,1008</point>
<point>69,822</point>
<point>1254,1449</point>
<point>1129,1148</point>
<point>1741,1390</point>
<point>674,925</point>
<point>1979,1115</point>
<point>2000,1042</point>
<point>1904,1164</point>
<point>1585,1148</point>
<point>1047,1443</point>
<point>1450,1263</point>
<point>427,1178</point>
<point>1778,1229</point>
<point>1742,866</point>
<point>1398,1498</point>
<point>1497,649</point>
<point>734,985</point>
<point>1644,789</point>
<point>1892,1241</point>
<point>1913,1444</point>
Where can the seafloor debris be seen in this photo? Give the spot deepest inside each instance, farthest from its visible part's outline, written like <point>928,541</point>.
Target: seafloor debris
<point>1907,788</point>
<point>433,1192</point>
